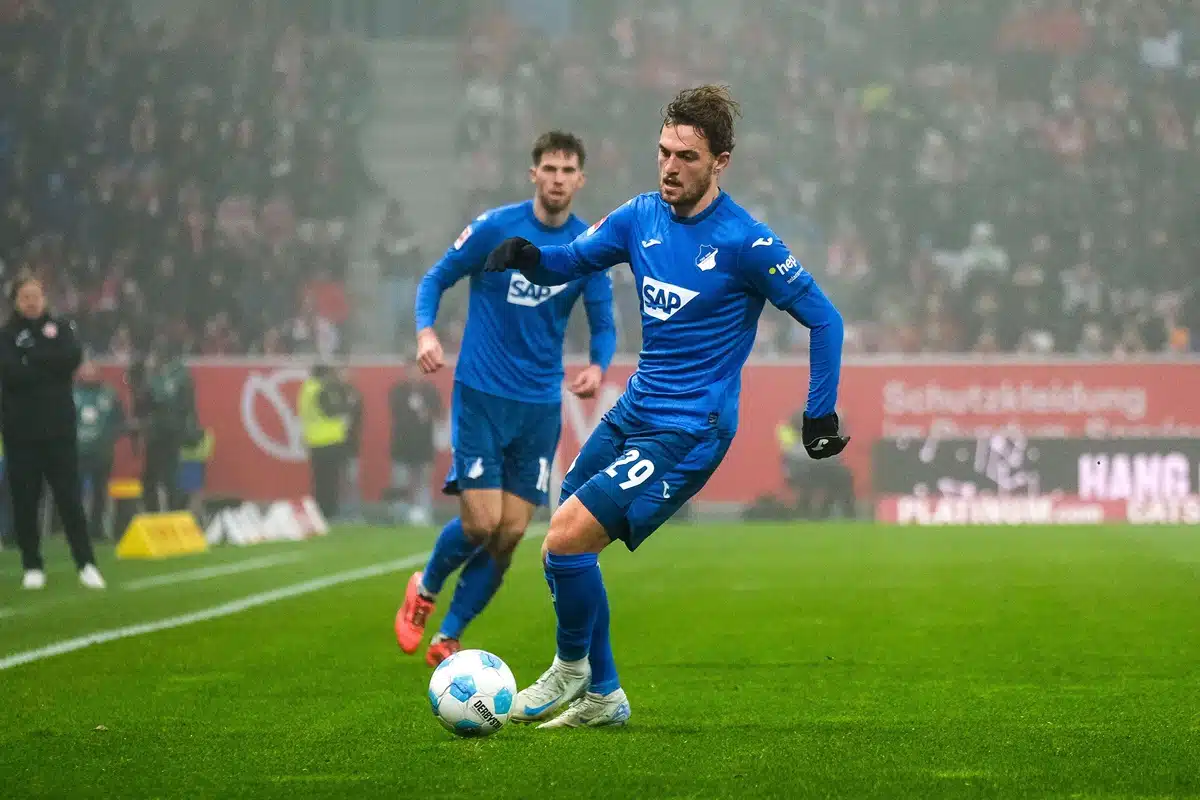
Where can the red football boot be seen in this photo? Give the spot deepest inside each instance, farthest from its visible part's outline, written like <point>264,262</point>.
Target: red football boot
<point>410,619</point>
<point>441,649</point>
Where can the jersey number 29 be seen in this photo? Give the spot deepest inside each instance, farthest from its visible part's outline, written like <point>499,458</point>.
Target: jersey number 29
<point>638,474</point>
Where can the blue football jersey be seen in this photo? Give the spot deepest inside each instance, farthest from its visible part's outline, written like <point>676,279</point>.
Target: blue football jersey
<point>513,343</point>
<point>702,284</point>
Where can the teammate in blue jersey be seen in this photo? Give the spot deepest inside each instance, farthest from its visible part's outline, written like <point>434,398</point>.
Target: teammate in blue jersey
<point>506,413</point>
<point>704,269</point>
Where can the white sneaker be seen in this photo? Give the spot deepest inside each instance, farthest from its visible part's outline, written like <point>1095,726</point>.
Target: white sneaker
<point>593,711</point>
<point>91,578</point>
<point>559,685</point>
<point>34,579</point>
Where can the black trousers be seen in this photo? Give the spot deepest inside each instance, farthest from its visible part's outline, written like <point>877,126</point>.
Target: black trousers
<point>326,465</point>
<point>94,473</point>
<point>161,469</point>
<point>55,462</point>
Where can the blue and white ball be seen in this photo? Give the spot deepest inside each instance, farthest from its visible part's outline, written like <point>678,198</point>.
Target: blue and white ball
<point>471,693</point>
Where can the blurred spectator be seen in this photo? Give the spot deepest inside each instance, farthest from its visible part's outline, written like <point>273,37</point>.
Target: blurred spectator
<point>987,176</point>
<point>148,177</point>
<point>400,266</point>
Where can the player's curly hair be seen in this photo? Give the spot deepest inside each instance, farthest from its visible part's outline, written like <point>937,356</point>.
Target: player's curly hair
<point>709,109</point>
<point>558,142</point>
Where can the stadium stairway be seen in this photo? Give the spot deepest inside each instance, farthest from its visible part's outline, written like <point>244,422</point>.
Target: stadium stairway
<point>408,145</point>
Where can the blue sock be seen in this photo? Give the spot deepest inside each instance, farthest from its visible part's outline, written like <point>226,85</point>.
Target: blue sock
<point>478,583</point>
<point>450,551</point>
<point>549,581</point>
<point>578,591</point>
<point>604,669</point>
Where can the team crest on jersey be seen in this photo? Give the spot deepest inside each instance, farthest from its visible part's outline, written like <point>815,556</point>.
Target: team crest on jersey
<point>595,226</point>
<point>523,293</point>
<point>664,300</point>
<point>707,259</point>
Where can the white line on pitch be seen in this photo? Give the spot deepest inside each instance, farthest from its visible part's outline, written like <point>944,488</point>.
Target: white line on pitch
<point>8,612</point>
<point>204,573</point>
<point>216,612</point>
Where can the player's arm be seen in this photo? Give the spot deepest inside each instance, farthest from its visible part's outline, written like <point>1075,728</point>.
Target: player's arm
<point>463,258</point>
<point>598,302</point>
<point>599,247</point>
<point>774,272</point>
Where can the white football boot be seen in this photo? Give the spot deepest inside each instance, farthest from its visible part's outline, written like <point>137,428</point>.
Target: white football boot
<point>33,579</point>
<point>564,682</point>
<point>91,578</point>
<point>593,711</point>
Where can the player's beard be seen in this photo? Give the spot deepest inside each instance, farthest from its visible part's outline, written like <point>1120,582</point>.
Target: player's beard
<point>690,196</point>
<point>554,205</point>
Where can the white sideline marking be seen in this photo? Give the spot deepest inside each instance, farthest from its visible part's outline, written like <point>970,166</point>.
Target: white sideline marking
<point>204,573</point>
<point>7,612</point>
<point>216,612</point>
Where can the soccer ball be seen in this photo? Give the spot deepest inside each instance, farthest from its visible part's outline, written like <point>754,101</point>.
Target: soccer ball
<point>471,693</point>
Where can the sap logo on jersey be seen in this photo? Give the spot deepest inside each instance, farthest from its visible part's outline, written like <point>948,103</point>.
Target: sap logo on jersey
<point>523,293</point>
<point>662,300</point>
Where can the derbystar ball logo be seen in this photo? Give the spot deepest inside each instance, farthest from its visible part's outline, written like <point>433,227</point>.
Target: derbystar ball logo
<point>523,293</point>
<point>663,300</point>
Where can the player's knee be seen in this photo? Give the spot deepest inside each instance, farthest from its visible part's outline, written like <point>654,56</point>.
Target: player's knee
<point>574,530</point>
<point>505,540</point>
<point>480,518</point>
<point>480,528</point>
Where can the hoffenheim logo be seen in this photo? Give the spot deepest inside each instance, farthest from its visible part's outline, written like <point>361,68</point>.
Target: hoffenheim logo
<point>523,293</point>
<point>707,258</point>
<point>662,300</point>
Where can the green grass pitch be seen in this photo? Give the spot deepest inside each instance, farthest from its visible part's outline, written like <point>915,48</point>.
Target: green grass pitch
<point>760,661</point>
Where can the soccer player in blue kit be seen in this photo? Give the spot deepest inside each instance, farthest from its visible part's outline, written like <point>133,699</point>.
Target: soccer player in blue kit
<point>506,405</point>
<point>704,269</point>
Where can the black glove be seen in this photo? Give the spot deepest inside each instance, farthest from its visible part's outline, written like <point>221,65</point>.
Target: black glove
<point>515,253</point>
<point>820,436</point>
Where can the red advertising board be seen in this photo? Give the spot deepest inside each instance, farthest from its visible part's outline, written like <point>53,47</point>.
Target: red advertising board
<point>259,453</point>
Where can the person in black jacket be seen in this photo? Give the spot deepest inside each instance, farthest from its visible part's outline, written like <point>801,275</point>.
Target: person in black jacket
<point>39,354</point>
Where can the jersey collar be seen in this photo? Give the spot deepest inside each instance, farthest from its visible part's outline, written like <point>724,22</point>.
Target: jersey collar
<point>698,218</point>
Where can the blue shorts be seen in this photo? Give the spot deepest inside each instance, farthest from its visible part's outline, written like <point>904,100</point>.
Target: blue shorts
<point>502,444</point>
<point>634,479</point>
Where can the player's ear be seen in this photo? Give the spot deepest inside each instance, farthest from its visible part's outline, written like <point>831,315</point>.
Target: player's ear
<point>533,174</point>
<point>722,161</point>
<point>582,179</point>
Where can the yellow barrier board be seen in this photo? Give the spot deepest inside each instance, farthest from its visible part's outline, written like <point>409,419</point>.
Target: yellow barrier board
<point>162,536</point>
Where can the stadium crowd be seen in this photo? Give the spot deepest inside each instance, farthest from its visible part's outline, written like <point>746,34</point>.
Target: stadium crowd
<point>963,175</point>
<point>189,187</point>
